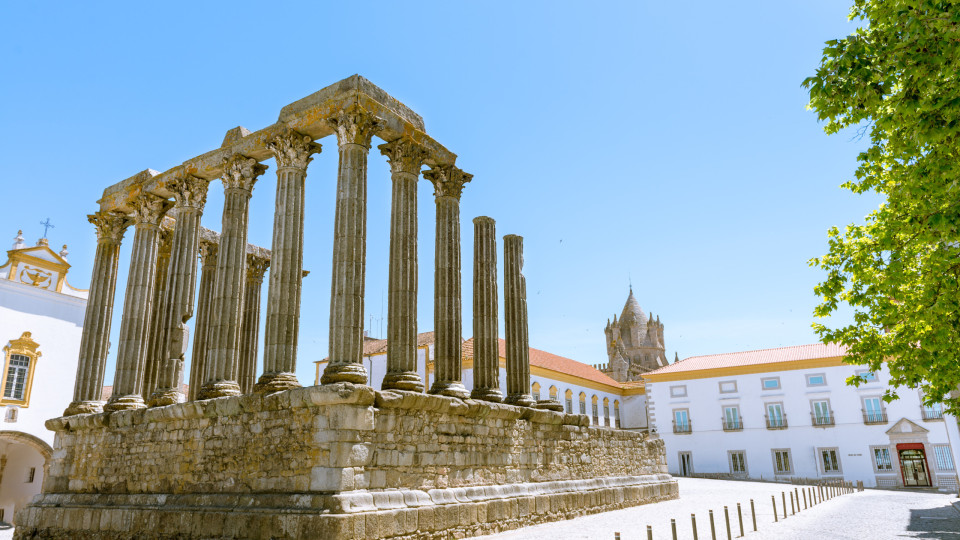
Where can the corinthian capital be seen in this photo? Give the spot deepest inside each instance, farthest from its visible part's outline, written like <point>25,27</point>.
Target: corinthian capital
<point>354,126</point>
<point>404,155</point>
<point>241,172</point>
<point>208,253</point>
<point>292,149</point>
<point>189,191</point>
<point>110,225</point>
<point>148,209</point>
<point>256,266</point>
<point>447,180</point>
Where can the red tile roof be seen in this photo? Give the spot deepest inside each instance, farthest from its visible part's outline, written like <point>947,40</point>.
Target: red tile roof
<point>752,358</point>
<point>553,362</point>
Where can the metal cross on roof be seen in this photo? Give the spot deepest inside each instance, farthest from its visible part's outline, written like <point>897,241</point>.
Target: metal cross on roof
<point>47,225</point>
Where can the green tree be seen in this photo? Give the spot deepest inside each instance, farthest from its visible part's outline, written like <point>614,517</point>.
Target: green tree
<point>896,80</point>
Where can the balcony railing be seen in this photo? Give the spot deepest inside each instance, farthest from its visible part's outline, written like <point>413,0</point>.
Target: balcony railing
<point>931,414</point>
<point>776,422</point>
<point>823,420</point>
<point>686,427</point>
<point>732,425</point>
<point>874,417</point>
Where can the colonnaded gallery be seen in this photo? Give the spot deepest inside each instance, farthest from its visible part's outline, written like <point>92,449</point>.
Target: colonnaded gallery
<point>339,459</point>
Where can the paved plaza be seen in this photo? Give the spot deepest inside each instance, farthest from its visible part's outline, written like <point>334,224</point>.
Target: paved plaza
<point>871,514</point>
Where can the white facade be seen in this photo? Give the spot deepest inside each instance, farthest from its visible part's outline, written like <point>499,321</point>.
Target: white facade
<point>550,376</point>
<point>788,413</point>
<point>41,319</point>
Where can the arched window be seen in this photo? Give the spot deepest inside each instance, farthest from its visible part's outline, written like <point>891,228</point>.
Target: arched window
<point>20,362</point>
<point>535,391</point>
<point>583,403</point>
<point>606,411</point>
<point>616,412</point>
<point>596,410</point>
<point>568,401</point>
<point>553,392</point>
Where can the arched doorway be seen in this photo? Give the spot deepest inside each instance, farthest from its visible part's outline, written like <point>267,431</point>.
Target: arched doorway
<point>23,463</point>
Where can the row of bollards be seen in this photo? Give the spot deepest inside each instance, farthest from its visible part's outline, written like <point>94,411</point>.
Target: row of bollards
<point>810,495</point>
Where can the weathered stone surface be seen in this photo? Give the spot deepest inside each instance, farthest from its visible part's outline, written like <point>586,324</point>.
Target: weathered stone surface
<point>329,459</point>
<point>515,320</point>
<point>486,348</point>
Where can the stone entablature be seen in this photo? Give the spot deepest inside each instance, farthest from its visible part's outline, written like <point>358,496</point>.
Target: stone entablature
<point>334,456</point>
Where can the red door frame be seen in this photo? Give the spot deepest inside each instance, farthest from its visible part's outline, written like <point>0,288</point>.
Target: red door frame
<point>926,466</point>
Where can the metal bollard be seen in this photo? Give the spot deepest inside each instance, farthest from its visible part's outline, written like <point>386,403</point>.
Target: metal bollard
<point>713,528</point>
<point>740,519</point>
<point>753,513</point>
<point>726,517</point>
<point>693,523</point>
<point>784,495</point>
<point>774,499</point>
<point>649,532</point>
<point>673,527</point>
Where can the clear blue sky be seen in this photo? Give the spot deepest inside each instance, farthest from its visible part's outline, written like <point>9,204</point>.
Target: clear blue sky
<point>620,139</point>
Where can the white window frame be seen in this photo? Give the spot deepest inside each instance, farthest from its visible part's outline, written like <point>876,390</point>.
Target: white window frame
<point>773,455</point>
<point>813,411</point>
<point>946,454</point>
<point>763,383</point>
<point>882,411</point>
<point>822,375</point>
<point>739,418</point>
<point>743,459</point>
<point>678,391</point>
<point>688,423</point>
<point>766,412</point>
<point>722,383</point>
<point>863,372</point>
<point>873,459</point>
<point>823,467</point>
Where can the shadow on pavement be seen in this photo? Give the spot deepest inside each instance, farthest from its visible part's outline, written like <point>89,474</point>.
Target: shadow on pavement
<point>941,523</point>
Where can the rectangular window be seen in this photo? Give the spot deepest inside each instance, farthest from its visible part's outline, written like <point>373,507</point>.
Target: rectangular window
<point>868,376</point>
<point>606,415</point>
<point>781,461</point>
<point>681,421</point>
<point>678,391</point>
<point>596,414</point>
<point>731,418</point>
<point>616,415</point>
<point>31,475</point>
<point>829,461</point>
<point>728,387</point>
<point>944,459</point>
<point>822,415</point>
<point>738,462</point>
<point>11,415</point>
<point>775,417</point>
<point>536,396</point>
<point>933,412</point>
<point>16,376</point>
<point>873,411</point>
<point>817,379</point>
<point>569,406</point>
<point>583,407</point>
<point>881,459</point>
<point>771,383</point>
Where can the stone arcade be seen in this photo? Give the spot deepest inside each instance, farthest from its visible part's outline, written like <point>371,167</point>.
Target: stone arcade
<point>339,460</point>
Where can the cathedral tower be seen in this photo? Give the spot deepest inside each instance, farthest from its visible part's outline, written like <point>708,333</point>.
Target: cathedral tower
<point>634,343</point>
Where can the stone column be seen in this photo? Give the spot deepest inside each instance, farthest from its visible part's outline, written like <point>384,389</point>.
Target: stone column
<point>137,305</point>
<point>354,130</point>
<point>95,339</point>
<point>448,184</point>
<point>486,346</point>
<point>406,158</point>
<point>239,175</point>
<point>250,325</point>
<point>515,319</point>
<point>155,346</point>
<point>190,194</point>
<point>292,152</point>
<point>201,328</point>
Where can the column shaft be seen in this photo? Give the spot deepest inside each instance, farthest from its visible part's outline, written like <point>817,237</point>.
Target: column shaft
<point>486,342</point>
<point>95,339</point>
<point>201,329</point>
<point>137,306</point>
<point>155,347</point>
<point>292,152</point>
<point>515,319</point>
<point>405,161</point>
<point>354,130</point>
<point>250,325</point>
<point>240,173</point>
<point>191,194</point>
<point>448,182</point>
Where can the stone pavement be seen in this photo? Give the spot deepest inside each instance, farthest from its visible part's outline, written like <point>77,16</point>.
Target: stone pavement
<point>872,514</point>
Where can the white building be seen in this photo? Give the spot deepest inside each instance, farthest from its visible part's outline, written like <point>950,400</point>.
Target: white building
<point>580,388</point>
<point>786,413</point>
<point>41,318</point>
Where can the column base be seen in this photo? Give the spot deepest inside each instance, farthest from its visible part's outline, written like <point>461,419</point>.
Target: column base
<point>125,403</point>
<point>165,396</point>
<point>403,380</point>
<point>217,389</point>
<point>450,388</point>
<point>347,372</point>
<point>522,400</point>
<point>487,394</point>
<point>549,405</point>
<point>276,382</point>
<point>84,407</point>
